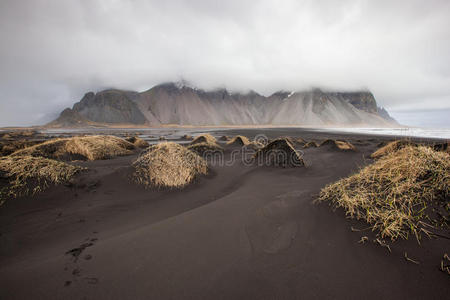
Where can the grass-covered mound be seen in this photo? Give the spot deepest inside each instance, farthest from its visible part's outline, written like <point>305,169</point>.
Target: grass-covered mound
<point>279,152</point>
<point>311,144</point>
<point>203,148</point>
<point>24,175</point>
<point>391,147</point>
<point>242,141</point>
<point>398,194</point>
<point>300,141</point>
<point>84,148</point>
<point>254,145</point>
<point>168,165</point>
<point>8,147</point>
<point>238,141</point>
<point>138,142</point>
<point>338,145</point>
<point>19,134</point>
<point>204,138</point>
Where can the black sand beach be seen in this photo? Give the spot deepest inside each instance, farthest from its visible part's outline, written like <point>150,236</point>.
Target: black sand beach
<point>242,232</point>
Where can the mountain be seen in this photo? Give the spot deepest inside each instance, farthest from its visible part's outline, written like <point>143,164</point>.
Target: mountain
<point>181,104</point>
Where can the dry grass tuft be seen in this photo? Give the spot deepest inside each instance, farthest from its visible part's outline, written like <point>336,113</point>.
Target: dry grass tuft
<point>26,175</point>
<point>202,148</point>
<point>204,138</point>
<point>84,148</point>
<point>168,165</point>
<point>311,144</point>
<point>279,152</point>
<point>254,145</point>
<point>137,142</point>
<point>345,146</point>
<point>339,145</point>
<point>8,147</point>
<point>19,134</point>
<point>397,193</point>
<point>187,137</point>
<point>300,141</point>
<point>239,140</point>
<point>391,147</point>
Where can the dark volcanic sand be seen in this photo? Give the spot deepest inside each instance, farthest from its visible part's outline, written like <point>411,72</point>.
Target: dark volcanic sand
<point>239,233</point>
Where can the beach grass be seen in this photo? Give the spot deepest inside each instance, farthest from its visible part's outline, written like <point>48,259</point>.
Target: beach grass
<point>25,175</point>
<point>82,148</point>
<point>168,165</point>
<point>398,193</point>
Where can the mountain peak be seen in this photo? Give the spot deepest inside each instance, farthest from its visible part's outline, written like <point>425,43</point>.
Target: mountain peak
<point>183,104</point>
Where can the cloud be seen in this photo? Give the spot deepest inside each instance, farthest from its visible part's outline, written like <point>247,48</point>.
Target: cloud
<point>52,52</point>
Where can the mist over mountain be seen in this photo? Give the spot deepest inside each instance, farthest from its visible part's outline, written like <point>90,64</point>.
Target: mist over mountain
<point>182,104</point>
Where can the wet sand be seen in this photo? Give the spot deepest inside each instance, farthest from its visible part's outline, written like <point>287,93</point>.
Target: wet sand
<point>242,232</point>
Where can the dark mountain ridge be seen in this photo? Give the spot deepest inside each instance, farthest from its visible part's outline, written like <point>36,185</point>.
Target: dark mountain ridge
<point>174,103</point>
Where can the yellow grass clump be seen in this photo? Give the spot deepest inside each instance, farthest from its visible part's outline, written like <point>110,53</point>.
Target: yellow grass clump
<point>168,165</point>
<point>238,140</point>
<point>85,148</point>
<point>187,137</point>
<point>279,152</point>
<point>26,175</point>
<point>300,140</point>
<point>203,148</point>
<point>204,138</point>
<point>396,194</point>
<point>391,147</point>
<point>254,145</point>
<point>339,145</point>
<point>138,142</point>
<point>9,147</point>
<point>311,144</point>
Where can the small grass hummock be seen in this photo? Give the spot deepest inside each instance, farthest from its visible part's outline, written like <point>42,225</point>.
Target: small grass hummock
<point>168,164</point>
<point>279,152</point>
<point>339,145</point>
<point>80,148</point>
<point>25,175</point>
<point>8,147</point>
<point>203,148</point>
<point>138,142</point>
<point>238,141</point>
<point>397,194</point>
<point>300,141</point>
<point>204,138</point>
<point>311,144</point>
<point>391,147</point>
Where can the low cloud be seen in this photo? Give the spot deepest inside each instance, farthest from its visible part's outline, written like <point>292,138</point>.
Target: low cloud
<point>52,52</point>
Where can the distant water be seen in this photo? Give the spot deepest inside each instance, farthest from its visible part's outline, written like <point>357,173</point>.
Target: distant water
<point>152,134</point>
<point>441,133</point>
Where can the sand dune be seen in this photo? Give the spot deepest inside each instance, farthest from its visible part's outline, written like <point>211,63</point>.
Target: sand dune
<point>240,232</point>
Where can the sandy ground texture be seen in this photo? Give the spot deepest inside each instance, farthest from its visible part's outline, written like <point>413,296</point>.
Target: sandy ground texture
<point>242,232</point>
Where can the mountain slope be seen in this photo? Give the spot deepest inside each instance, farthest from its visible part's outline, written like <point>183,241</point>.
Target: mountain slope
<point>172,103</point>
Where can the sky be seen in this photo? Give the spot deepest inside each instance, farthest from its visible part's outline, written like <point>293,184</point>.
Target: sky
<point>52,52</point>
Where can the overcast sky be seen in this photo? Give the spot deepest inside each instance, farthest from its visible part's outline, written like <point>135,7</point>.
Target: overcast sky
<point>52,52</point>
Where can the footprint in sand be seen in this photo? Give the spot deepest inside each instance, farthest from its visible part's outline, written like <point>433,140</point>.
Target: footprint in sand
<point>75,255</point>
<point>273,228</point>
<point>281,238</point>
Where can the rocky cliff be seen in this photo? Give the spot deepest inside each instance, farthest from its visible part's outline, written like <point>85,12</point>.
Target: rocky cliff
<point>172,103</point>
